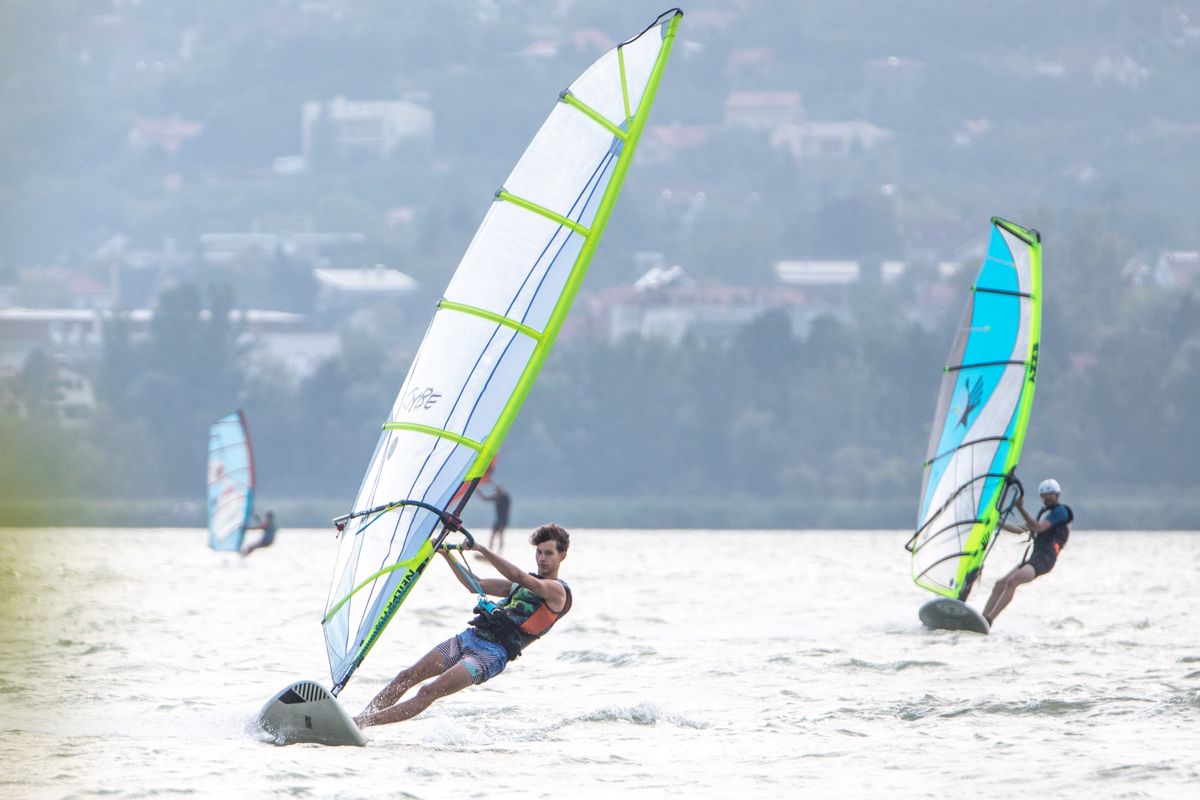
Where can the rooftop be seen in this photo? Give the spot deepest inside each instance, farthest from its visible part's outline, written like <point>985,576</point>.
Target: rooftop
<point>371,279</point>
<point>816,272</point>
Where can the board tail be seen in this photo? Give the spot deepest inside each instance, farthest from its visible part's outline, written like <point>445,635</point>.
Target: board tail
<point>305,712</point>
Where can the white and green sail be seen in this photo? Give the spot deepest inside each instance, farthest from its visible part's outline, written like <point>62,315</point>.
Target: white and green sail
<point>982,415</point>
<point>488,339</point>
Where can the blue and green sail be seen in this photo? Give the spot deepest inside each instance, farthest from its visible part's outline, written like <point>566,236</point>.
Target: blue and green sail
<point>489,337</point>
<point>982,415</point>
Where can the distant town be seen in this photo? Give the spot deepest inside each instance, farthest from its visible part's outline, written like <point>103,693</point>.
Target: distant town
<point>313,171</point>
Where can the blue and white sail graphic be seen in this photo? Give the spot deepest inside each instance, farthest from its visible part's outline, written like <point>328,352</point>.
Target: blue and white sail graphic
<point>230,481</point>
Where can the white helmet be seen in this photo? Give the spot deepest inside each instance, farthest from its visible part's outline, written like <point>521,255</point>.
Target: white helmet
<point>1049,485</point>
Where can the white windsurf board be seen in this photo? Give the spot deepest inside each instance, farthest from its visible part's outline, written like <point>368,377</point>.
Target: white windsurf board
<point>307,712</point>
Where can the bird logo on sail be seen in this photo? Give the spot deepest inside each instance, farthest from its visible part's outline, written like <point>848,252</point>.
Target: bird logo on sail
<point>974,398</point>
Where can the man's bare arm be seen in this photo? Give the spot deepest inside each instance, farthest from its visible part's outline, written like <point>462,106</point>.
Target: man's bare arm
<point>1037,526</point>
<point>492,586</point>
<point>551,591</point>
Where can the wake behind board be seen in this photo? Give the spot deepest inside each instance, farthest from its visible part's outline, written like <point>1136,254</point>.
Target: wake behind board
<point>945,613</point>
<point>306,712</point>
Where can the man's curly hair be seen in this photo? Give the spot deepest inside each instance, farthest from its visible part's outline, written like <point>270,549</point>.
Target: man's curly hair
<point>551,532</point>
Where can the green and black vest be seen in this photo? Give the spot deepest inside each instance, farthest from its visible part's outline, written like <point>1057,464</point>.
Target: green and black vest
<point>519,619</point>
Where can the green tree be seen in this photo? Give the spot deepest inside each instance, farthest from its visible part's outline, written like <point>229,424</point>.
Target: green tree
<point>38,386</point>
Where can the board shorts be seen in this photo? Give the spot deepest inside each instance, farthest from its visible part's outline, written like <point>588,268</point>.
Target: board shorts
<point>1043,558</point>
<point>483,659</point>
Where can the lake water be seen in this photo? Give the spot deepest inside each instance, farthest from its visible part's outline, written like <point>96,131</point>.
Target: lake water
<point>694,664</point>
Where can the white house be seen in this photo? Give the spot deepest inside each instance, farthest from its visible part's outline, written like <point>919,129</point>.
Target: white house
<point>367,127</point>
<point>342,288</point>
<point>829,139</point>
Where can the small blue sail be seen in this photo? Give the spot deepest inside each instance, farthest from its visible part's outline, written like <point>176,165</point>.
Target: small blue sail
<point>230,481</point>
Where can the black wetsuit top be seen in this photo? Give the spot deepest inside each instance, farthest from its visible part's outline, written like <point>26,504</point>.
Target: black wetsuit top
<point>1048,543</point>
<point>1060,516</point>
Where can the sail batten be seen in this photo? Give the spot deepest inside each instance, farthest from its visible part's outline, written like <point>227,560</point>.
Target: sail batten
<point>982,364</point>
<point>529,205</point>
<point>1000,291</point>
<point>981,416</point>
<point>488,340</point>
<point>498,318</point>
<point>437,432</point>
<point>965,445</point>
<point>594,115</point>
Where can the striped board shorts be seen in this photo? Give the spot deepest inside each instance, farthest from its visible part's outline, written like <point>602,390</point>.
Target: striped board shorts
<point>483,659</point>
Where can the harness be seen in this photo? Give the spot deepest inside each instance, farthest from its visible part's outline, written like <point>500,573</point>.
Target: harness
<point>1033,537</point>
<point>495,622</point>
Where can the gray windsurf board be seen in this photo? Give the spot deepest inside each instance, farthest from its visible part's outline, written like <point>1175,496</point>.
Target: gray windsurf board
<point>945,613</point>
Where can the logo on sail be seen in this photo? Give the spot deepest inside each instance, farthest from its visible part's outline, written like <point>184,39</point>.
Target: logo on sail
<point>974,398</point>
<point>418,399</point>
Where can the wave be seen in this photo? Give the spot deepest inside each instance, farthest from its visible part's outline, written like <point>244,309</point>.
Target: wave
<point>890,666</point>
<point>444,732</point>
<point>603,657</point>
<point>803,656</point>
<point>640,714</point>
<point>1188,698</point>
<point>1137,772</point>
<point>930,706</point>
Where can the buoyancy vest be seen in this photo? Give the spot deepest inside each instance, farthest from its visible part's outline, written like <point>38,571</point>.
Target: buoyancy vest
<point>517,620</point>
<point>1059,532</point>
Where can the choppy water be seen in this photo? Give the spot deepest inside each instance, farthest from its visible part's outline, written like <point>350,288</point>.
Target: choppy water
<point>695,664</point>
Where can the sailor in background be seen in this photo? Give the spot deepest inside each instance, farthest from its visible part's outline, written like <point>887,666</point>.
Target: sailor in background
<point>503,501</point>
<point>268,527</point>
<point>1049,531</point>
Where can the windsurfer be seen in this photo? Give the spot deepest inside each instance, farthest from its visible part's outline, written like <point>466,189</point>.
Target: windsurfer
<point>503,502</point>
<point>531,604</point>
<point>1050,531</point>
<point>268,527</point>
